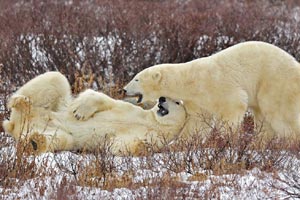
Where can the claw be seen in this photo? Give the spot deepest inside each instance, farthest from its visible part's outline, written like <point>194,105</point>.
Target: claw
<point>77,117</point>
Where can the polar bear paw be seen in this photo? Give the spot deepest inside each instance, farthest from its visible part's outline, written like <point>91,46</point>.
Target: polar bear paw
<point>18,101</point>
<point>83,110</point>
<point>38,143</point>
<point>8,126</point>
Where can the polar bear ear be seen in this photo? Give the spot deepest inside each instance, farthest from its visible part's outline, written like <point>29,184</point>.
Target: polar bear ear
<point>156,76</point>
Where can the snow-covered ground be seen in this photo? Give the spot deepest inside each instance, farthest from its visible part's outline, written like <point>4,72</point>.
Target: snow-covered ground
<point>70,175</point>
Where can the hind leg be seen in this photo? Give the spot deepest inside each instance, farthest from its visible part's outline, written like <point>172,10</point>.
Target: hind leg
<point>285,128</point>
<point>49,90</point>
<point>283,121</point>
<point>18,101</point>
<point>51,141</point>
<point>20,107</point>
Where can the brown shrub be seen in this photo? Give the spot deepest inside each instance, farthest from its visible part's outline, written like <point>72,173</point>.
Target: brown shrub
<point>102,44</point>
<point>113,40</point>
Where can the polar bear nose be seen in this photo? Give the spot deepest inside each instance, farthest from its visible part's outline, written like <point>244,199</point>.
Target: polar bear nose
<point>124,91</point>
<point>162,99</point>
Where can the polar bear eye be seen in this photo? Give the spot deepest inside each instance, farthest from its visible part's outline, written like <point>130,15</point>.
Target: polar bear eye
<point>177,102</point>
<point>136,80</point>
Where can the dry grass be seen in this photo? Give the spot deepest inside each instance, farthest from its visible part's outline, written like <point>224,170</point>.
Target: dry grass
<point>132,38</point>
<point>111,40</point>
<point>203,160</point>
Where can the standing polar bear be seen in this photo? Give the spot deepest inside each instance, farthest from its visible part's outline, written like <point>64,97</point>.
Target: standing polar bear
<point>44,114</point>
<point>254,75</point>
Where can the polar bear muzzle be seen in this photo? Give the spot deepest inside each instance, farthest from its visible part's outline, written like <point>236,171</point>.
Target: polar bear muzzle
<point>140,98</point>
<point>163,107</point>
<point>138,95</point>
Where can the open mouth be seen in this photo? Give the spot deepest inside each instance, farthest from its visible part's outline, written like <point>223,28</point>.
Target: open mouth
<point>140,98</point>
<point>162,111</point>
<point>138,95</point>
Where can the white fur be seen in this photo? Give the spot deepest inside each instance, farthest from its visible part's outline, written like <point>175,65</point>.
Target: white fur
<point>46,92</point>
<point>85,122</point>
<point>254,75</point>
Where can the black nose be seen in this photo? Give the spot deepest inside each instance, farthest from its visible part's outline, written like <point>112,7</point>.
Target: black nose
<point>162,99</point>
<point>124,91</point>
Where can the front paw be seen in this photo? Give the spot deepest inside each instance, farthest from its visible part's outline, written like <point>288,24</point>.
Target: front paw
<point>18,101</point>
<point>82,111</point>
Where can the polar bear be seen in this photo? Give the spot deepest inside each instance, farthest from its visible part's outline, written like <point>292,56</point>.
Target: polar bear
<point>90,119</point>
<point>254,75</point>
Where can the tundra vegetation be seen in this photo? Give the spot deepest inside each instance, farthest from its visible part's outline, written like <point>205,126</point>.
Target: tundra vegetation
<point>101,45</point>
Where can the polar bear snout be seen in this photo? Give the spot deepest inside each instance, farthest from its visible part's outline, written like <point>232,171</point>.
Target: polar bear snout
<point>162,99</point>
<point>134,89</point>
<point>162,111</point>
<point>162,107</point>
<point>138,95</point>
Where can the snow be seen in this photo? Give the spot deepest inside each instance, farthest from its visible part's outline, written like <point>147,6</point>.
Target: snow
<point>55,179</point>
<point>55,173</point>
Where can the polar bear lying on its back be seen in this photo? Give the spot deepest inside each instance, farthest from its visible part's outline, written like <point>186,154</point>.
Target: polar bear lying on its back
<point>54,127</point>
<point>253,75</point>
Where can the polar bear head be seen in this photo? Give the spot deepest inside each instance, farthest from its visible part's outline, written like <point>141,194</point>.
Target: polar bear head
<point>145,85</point>
<point>156,81</point>
<point>169,112</point>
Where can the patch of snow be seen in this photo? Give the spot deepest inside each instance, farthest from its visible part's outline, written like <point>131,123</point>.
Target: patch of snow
<point>55,178</point>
